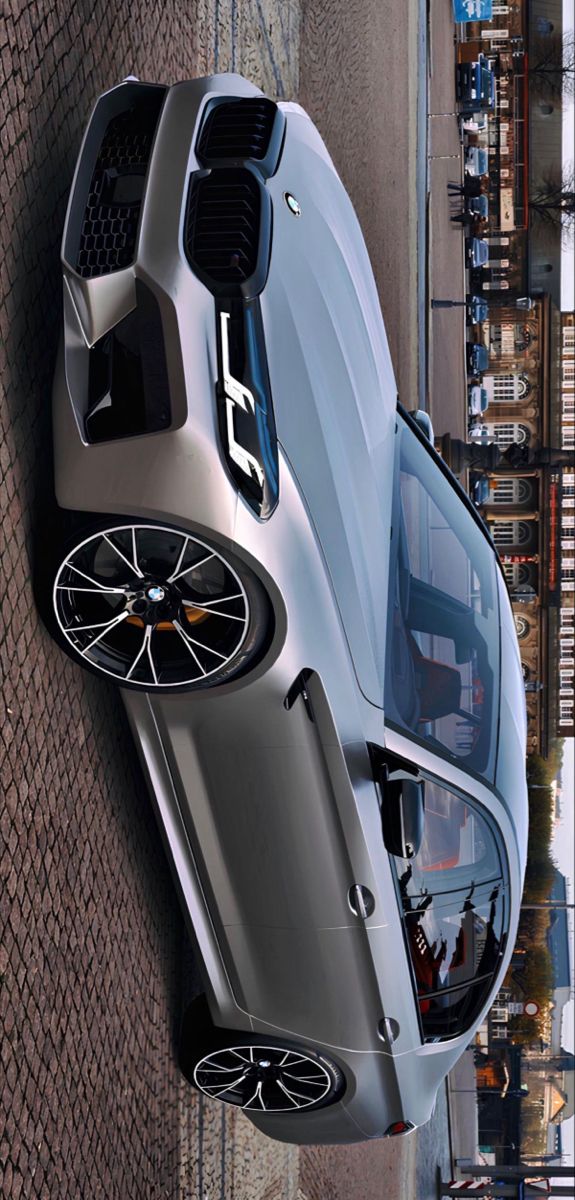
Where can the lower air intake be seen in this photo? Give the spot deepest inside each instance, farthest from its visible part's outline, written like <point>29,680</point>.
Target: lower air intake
<point>109,227</point>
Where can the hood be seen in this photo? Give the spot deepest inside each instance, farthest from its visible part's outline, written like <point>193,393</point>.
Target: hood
<point>333,387</point>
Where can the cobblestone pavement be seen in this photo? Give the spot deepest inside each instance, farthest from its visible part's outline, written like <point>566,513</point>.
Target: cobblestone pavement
<point>93,952</point>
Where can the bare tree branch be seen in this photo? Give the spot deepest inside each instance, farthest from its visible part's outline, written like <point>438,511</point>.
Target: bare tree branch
<point>552,201</point>
<point>551,65</point>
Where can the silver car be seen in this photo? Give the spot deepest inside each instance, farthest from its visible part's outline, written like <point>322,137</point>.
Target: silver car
<point>307,621</point>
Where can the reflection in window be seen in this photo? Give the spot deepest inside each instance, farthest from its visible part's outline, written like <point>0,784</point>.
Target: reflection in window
<point>443,627</point>
<point>453,900</point>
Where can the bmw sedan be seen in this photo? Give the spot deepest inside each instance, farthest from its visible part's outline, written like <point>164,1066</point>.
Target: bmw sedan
<point>306,619</point>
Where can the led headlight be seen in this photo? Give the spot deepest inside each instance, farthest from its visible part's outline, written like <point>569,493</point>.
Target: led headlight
<point>245,413</point>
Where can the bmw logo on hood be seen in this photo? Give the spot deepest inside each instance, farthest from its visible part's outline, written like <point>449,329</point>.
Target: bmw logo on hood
<point>293,204</point>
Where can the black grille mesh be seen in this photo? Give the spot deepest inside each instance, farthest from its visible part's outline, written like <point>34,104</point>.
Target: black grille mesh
<point>223,224</point>
<point>109,230</point>
<point>238,129</point>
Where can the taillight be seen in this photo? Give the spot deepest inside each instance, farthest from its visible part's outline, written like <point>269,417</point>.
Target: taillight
<point>399,1127</point>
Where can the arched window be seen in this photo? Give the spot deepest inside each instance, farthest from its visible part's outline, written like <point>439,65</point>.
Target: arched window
<point>507,389</point>
<point>521,626</point>
<point>503,433</point>
<point>512,491</point>
<point>544,26</point>
<point>511,533</point>
<point>546,110</point>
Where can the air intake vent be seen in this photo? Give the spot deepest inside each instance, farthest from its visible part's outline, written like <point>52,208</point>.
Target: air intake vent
<point>111,216</point>
<point>128,376</point>
<point>237,129</point>
<point>223,235</point>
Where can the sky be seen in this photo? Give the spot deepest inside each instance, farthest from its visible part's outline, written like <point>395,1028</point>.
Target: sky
<point>568,254</point>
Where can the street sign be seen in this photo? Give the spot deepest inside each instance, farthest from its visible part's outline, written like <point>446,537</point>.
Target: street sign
<point>518,1008</point>
<point>472,10</point>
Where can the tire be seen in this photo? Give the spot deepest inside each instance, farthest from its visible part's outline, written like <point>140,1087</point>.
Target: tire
<point>270,1075</point>
<point>114,574</point>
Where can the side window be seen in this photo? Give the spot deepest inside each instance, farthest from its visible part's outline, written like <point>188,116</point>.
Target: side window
<point>454,910</point>
<point>443,649</point>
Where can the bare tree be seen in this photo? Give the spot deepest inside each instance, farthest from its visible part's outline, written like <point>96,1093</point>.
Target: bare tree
<point>551,65</point>
<point>552,201</point>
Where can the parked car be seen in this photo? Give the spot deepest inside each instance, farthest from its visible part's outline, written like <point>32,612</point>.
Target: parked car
<point>481,434</point>
<point>477,358</point>
<point>476,252</point>
<point>477,309</point>
<point>309,627</point>
<point>480,490</point>
<point>478,206</point>
<point>475,86</point>
<point>476,161</point>
<point>478,400</point>
<point>473,123</point>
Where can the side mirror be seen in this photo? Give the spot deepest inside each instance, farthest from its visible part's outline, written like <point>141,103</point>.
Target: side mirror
<point>423,422</point>
<point>402,812</point>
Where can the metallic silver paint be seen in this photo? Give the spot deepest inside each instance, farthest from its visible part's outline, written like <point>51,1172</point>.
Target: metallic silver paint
<point>268,819</point>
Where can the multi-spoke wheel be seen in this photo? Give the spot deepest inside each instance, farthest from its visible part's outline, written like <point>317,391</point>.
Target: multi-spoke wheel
<point>256,1073</point>
<point>156,608</point>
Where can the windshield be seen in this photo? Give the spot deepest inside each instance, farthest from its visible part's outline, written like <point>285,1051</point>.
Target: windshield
<point>442,676</point>
<point>453,900</point>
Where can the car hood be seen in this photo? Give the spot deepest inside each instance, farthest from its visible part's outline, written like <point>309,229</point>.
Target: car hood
<point>333,388</point>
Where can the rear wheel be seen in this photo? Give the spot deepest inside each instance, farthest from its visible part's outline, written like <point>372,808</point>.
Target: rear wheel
<point>259,1074</point>
<point>155,608</point>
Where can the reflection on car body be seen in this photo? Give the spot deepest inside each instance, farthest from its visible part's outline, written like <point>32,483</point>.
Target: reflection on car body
<point>305,617</point>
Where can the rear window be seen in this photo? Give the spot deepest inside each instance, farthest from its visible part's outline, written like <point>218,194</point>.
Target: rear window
<point>442,665</point>
<point>454,908</point>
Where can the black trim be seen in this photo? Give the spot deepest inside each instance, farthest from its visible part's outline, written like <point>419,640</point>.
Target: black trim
<point>453,480</point>
<point>228,231</point>
<point>241,129</point>
<point>228,222</point>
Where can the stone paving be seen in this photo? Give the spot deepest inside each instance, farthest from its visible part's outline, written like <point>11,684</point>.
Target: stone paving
<point>93,953</point>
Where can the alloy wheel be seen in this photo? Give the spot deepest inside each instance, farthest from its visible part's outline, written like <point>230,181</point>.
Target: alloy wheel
<point>264,1078</point>
<point>151,606</point>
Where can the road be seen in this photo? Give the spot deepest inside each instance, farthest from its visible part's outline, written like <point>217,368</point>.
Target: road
<point>93,952</point>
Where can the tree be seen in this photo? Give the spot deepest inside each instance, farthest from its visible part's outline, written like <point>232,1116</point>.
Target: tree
<point>551,68</point>
<point>552,201</point>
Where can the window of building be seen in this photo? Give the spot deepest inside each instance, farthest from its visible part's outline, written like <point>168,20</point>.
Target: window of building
<point>544,26</point>
<point>508,389</point>
<point>511,533</point>
<point>516,574</point>
<point>512,491</point>
<point>546,110</point>
<point>503,433</point>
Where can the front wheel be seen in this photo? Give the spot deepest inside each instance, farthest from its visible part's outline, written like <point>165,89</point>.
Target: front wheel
<point>155,608</point>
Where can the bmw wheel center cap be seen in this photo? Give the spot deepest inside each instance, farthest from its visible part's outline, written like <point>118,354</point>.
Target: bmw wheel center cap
<point>155,594</point>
